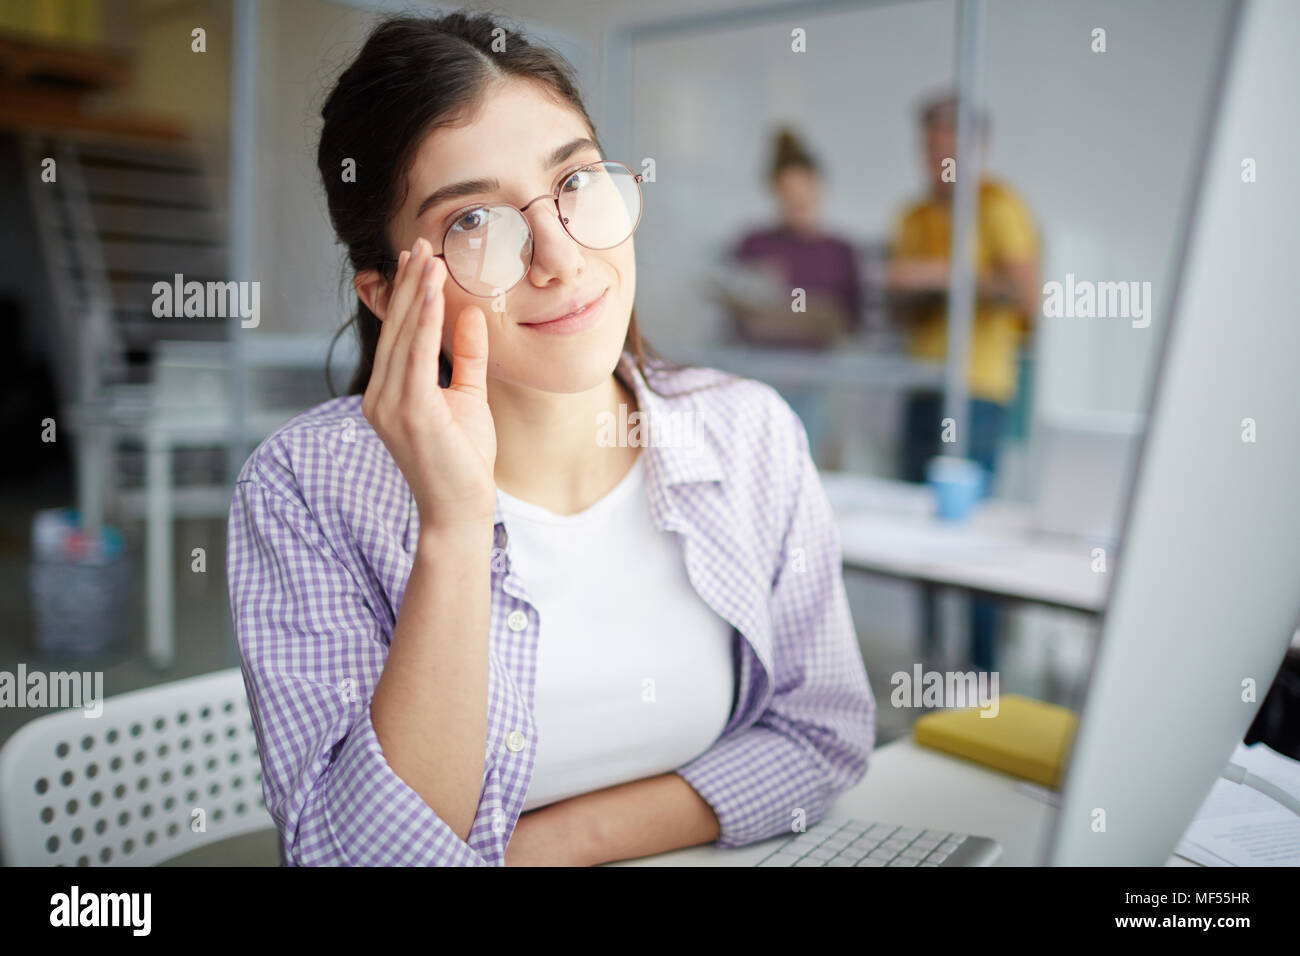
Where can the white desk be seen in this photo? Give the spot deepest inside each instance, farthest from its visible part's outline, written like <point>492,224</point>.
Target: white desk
<point>888,527</point>
<point>853,366</point>
<point>914,786</point>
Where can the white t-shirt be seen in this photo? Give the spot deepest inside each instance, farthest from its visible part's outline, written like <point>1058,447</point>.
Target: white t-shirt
<point>635,672</point>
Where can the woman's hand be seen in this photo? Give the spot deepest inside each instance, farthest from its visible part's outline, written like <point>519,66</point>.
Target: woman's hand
<point>443,440</point>
<point>918,275</point>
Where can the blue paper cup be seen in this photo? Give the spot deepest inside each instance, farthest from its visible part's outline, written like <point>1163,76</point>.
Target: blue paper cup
<point>958,485</point>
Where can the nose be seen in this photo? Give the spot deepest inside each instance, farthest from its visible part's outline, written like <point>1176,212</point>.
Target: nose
<point>556,254</point>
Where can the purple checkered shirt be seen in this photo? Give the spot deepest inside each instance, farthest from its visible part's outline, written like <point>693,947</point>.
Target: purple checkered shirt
<point>321,537</point>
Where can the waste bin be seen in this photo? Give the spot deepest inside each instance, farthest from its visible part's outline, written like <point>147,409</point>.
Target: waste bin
<point>82,590</point>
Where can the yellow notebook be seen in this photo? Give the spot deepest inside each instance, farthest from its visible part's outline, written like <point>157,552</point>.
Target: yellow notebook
<point>1027,738</point>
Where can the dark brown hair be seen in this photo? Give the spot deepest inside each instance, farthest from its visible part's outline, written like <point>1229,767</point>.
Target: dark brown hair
<point>413,75</point>
<point>788,152</point>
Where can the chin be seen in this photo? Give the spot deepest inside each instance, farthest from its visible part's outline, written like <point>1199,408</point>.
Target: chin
<point>568,364</point>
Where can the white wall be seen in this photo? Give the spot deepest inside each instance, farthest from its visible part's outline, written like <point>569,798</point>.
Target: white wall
<point>1100,144</point>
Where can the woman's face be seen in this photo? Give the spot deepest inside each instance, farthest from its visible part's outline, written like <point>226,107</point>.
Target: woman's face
<point>798,193</point>
<point>524,140</point>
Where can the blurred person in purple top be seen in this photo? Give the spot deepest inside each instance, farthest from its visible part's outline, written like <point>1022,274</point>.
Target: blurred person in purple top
<point>801,254</point>
<point>389,638</point>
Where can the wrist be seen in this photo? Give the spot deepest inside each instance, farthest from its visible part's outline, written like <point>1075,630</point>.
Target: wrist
<point>471,535</point>
<point>578,830</point>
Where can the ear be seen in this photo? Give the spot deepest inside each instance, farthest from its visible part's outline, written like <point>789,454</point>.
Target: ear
<point>374,290</point>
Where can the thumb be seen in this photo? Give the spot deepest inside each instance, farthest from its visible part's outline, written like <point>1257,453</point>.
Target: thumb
<point>469,353</point>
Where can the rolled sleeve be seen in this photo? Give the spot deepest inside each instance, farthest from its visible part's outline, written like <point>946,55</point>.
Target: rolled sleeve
<point>814,739</point>
<point>312,651</point>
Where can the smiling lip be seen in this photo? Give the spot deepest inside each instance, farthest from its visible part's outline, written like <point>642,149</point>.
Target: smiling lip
<point>584,318</point>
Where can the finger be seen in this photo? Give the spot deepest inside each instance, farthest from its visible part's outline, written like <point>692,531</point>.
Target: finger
<point>469,353</point>
<point>422,386</point>
<point>405,289</point>
<point>399,365</point>
<point>396,326</point>
<point>379,364</point>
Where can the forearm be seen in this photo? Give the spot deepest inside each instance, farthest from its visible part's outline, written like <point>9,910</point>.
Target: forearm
<point>436,676</point>
<point>1014,284</point>
<point>633,820</point>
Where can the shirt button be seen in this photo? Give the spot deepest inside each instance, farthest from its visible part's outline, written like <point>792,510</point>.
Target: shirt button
<point>514,741</point>
<point>517,620</point>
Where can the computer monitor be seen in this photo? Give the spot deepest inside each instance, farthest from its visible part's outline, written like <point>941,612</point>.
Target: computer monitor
<point>1207,587</point>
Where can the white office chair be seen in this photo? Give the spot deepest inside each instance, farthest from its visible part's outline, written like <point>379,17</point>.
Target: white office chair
<point>161,772</point>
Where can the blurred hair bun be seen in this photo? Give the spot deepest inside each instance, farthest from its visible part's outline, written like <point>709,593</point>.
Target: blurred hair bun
<point>789,152</point>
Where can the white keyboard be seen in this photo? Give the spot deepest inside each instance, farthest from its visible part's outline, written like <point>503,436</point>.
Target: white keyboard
<point>858,843</point>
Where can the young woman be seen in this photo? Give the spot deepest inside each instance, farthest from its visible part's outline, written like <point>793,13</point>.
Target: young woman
<point>807,256</point>
<point>485,616</point>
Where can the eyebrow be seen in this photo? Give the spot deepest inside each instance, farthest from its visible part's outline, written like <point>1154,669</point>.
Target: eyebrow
<point>470,187</point>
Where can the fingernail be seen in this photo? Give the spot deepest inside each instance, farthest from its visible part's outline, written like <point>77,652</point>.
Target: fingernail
<point>401,259</point>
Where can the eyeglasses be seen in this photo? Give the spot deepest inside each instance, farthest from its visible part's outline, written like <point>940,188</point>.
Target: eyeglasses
<point>489,248</point>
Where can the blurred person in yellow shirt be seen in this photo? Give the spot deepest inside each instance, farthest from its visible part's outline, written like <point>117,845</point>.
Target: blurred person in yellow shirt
<point>1006,304</point>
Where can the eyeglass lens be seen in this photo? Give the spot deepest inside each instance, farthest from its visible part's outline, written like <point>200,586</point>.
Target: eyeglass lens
<point>489,248</point>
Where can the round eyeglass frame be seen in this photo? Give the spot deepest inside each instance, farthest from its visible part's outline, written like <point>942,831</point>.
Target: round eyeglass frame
<point>554,196</point>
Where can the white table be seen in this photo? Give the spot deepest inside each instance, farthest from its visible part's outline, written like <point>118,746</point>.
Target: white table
<point>888,527</point>
<point>918,787</point>
<point>849,365</point>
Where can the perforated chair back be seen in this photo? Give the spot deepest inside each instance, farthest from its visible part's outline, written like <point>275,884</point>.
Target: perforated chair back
<point>160,772</point>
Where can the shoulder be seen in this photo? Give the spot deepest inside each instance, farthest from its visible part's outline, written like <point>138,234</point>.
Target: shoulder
<point>1000,195</point>
<point>719,397</point>
<point>913,214</point>
<point>757,240</point>
<point>1004,213</point>
<point>742,423</point>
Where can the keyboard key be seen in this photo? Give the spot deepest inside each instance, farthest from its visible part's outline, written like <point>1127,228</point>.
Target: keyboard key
<point>780,859</point>
<point>902,862</point>
<point>908,833</point>
<point>870,862</point>
<point>821,852</point>
<point>811,861</point>
<point>840,861</point>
